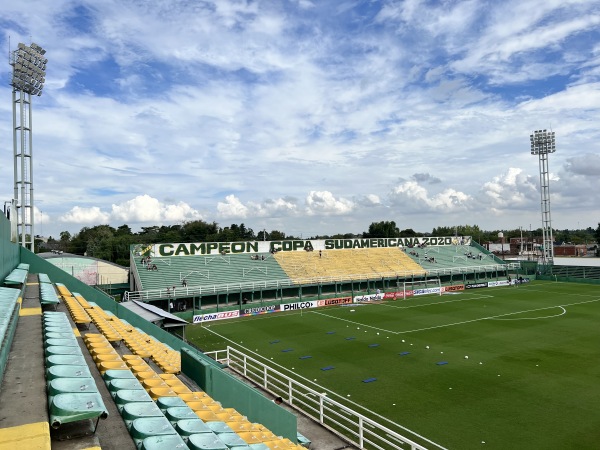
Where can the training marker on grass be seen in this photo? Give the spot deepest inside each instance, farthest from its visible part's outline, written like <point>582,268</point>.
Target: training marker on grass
<point>285,350</point>
<point>404,353</point>
<point>441,363</point>
<point>274,342</point>
<point>305,357</point>
<point>369,380</point>
<point>327,368</point>
<point>350,338</point>
<point>373,345</point>
<point>331,332</point>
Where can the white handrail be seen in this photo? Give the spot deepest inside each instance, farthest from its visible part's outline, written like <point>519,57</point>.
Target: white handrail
<point>364,430</point>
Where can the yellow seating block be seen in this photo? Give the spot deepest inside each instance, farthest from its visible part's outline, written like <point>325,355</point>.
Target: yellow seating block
<point>32,436</point>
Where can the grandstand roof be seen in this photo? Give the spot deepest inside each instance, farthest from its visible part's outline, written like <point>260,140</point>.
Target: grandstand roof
<point>154,314</point>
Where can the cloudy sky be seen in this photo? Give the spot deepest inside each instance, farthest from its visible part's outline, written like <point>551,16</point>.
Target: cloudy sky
<point>309,117</point>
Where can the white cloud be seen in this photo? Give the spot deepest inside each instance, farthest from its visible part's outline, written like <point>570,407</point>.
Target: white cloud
<point>414,197</point>
<point>324,203</point>
<point>141,209</point>
<point>82,215</point>
<point>513,189</point>
<point>232,208</point>
<point>146,209</point>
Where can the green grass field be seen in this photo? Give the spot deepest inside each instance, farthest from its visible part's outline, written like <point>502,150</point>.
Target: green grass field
<point>531,380</point>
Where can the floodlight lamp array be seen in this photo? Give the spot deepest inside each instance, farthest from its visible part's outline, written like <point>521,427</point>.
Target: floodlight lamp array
<point>542,141</point>
<point>29,69</point>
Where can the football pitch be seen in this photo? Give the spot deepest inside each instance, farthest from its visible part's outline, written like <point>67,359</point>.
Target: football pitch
<point>508,367</point>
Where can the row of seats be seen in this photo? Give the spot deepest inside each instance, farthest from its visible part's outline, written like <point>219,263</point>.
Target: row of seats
<point>72,392</point>
<point>48,294</point>
<point>78,313</point>
<point>18,276</point>
<point>9,316</point>
<point>160,411</point>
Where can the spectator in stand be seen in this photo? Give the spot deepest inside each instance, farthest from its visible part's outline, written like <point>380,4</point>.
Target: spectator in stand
<point>184,282</point>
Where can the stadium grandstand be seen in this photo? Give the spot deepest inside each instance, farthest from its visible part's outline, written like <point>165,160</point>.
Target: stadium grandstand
<point>211,276</point>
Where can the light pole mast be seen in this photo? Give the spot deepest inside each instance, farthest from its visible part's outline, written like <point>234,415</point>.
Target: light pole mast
<point>28,78</point>
<point>543,143</point>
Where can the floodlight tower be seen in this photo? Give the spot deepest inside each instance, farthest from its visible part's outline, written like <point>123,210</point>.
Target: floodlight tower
<point>29,71</point>
<point>542,144</point>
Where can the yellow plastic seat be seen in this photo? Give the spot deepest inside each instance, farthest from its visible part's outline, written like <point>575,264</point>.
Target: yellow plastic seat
<point>193,396</point>
<point>150,383</point>
<point>157,392</point>
<point>111,365</point>
<point>183,389</point>
<point>107,357</point>
<point>146,374</point>
<point>207,416</point>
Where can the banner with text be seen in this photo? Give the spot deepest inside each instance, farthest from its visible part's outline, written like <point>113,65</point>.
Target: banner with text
<point>224,248</point>
<point>216,316</point>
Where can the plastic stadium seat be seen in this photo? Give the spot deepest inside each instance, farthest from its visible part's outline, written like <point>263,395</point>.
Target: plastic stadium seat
<point>67,371</point>
<point>144,427</point>
<point>71,385</point>
<point>123,397</point>
<point>187,427</point>
<point>124,383</point>
<point>165,403</point>
<point>206,441</point>
<point>65,408</point>
<point>157,392</point>
<point>176,413</point>
<point>163,442</point>
<point>112,365</point>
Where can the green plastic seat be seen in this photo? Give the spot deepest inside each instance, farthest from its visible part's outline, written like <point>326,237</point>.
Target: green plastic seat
<point>61,342</point>
<point>62,350</point>
<point>112,374</point>
<point>66,408</point>
<point>54,334</point>
<point>167,441</point>
<point>126,396</point>
<point>65,360</point>
<point>232,440</point>
<point>187,427</point>
<point>205,441</point>
<point>71,385</point>
<point>176,413</point>
<point>145,427</point>
<point>57,329</point>
<point>123,383</point>
<point>219,427</point>
<point>65,371</point>
<point>165,403</point>
<point>139,410</point>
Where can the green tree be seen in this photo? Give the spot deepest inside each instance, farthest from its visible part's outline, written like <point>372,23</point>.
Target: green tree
<point>384,229</point>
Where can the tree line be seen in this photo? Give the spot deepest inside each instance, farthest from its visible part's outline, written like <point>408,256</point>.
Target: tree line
<point>112,244</point>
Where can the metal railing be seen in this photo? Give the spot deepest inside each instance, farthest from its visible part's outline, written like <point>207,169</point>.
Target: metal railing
<point>366,430</point>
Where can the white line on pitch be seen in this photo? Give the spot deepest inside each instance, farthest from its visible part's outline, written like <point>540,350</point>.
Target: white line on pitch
<point>435,303</point>
<point>495,317</point>
<point>355,323</point>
